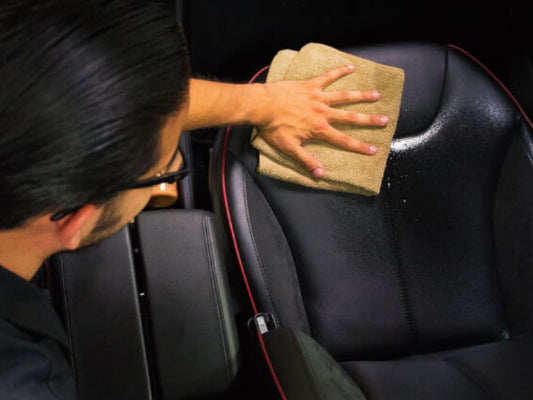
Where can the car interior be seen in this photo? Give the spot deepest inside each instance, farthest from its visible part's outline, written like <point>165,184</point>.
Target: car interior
<point>248,287</point>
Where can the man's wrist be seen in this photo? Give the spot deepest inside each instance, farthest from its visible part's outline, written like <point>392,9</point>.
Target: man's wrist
<point>256,102</point>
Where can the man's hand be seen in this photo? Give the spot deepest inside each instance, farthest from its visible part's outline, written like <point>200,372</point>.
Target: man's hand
<point>286,113</point>
<point>296,111</point>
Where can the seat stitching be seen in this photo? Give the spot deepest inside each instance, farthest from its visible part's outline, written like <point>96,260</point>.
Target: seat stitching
<point>470,375</point>
<point>220,314</point>
<point>400,271</point>
<point>68,328</point>
<point>266,280</point>
<point>68,315</point>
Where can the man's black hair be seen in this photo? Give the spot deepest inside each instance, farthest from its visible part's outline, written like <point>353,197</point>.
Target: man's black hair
<point>85,88</point>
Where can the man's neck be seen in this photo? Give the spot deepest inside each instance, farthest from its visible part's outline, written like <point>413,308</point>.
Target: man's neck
<point>21,253</point>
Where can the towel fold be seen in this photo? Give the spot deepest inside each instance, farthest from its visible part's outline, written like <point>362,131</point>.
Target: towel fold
<point>345,171</point>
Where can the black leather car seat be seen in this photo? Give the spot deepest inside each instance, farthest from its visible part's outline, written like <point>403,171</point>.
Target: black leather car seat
<point>425,291</point>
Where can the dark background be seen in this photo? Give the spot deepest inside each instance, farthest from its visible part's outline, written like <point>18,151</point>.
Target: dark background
<point>231,39</point>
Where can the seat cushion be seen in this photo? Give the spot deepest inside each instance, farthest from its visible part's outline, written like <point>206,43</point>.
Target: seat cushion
<point>499,370</point>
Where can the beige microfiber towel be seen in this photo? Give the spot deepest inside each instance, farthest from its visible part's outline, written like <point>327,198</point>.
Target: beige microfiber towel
<point>345,171</point>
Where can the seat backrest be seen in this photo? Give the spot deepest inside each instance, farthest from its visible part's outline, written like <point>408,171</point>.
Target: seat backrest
<point>409,271</point>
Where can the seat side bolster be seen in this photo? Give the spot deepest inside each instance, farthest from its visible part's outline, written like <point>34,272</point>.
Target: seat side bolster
<point>513,227</point>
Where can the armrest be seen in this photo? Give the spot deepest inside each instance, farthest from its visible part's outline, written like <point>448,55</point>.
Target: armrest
<point>194,333</point>
<point>96,293</point>
<point>149,312</point>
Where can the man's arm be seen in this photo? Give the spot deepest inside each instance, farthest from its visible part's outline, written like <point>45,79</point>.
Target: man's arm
<point>286,113</point>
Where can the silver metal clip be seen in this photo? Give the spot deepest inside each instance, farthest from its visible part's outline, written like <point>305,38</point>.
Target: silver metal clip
<point>264,322</point>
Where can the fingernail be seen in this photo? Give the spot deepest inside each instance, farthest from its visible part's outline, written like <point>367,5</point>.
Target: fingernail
<point>372,149</point>
<point>375,95</point>
<point>350,67</point>
<point>318,172</point>
<point>383,120</point>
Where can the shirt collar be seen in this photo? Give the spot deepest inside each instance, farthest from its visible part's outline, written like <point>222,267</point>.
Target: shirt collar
<point>29,307</point>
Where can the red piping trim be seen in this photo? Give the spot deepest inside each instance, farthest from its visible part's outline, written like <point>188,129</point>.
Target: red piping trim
<point>230,223</point>
<point>238,254</point>
<point>498,81</point>
<point>258,73</point>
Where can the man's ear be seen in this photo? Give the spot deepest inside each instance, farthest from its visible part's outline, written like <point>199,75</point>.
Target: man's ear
<point>71,227</point>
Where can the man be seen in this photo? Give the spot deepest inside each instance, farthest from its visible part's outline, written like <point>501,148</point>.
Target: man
<point>93,96</point>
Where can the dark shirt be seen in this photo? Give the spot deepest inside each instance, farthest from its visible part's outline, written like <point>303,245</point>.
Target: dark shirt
<point>33,342</point>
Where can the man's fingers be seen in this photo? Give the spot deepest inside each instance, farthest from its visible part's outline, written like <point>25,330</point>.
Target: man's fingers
<point>329,77</point>
<point>354,118</point>
<point>306,159</point>
<point>339,139</point>
<point>350,96</point>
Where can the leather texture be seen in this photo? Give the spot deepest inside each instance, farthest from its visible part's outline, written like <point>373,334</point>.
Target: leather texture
<point>513,228</point>
<point>499,370</point>
<point>148,311</point>
<point>195,339</point>
<point>98,291</point>
<point>413,271</point>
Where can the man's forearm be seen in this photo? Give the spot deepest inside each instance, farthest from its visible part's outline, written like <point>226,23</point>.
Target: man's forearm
<point>220,104</point>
